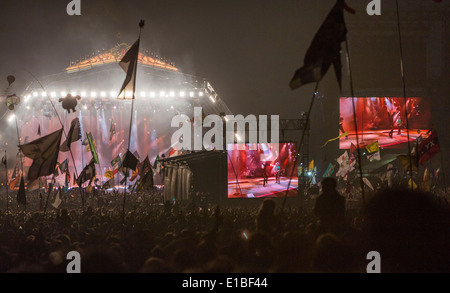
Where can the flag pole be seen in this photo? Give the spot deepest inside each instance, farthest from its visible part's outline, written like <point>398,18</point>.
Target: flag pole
<point>402,69</point>
<point>349,67</point>
<point>141,25</point>
<point>6,182</point>
<point>65,134</point>
<point>300,147</point>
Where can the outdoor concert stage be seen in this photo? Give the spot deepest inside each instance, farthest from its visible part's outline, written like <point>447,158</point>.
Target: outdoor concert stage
<point>162,92</point>
<point>253,188</point>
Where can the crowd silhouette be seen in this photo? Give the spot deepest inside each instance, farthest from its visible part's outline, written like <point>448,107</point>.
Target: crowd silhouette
<point>410,230</point>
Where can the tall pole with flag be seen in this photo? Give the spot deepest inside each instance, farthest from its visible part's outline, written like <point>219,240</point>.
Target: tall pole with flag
<point>349,67</point>
<point>324,51</point>
<point>68,137</point>
<point>129,64</point>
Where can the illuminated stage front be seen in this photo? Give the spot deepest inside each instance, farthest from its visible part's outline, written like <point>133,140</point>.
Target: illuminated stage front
<point>162,92</point>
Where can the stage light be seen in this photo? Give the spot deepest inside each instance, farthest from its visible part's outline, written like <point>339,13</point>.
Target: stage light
<point>11,117</point>
<point>85,107</point>
<point>182,94</point>
<point>162,94</point>
<point>35,94</point>
<point>112,94</point>
<point>172,94</point>
<point>28,107</point>
<point>53,94</point>
<point>212,99</point>
<point>309,173</point>
<point>103,94</point>
<point>115,107</point>
<point>143,94</point>
<point>43,94</point>
<point>63,94</point>
<point>83,94</point>
<point>200,94</point>
<point>93,94</point>
<point>191,94</point>
<point>152,94</point>
<point>74,94</point>
<point>171,107</point>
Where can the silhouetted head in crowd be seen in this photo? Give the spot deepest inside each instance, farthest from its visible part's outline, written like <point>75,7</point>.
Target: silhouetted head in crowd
<point>328,184</point>
<point>410,230</point>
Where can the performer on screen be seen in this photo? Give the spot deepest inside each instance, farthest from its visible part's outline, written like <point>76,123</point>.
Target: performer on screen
<point>341,125</point>
<point>266,172</point>
<point>399,125</point>
<point>277,173</point>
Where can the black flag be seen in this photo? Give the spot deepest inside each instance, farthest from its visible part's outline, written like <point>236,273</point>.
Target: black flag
<point>130,161</point>
<point>325,49</point>
<point>44,152</point>
<point>39,130</point>
<point>73,135</point>
<point>88,173</point>
<point>129,65</point>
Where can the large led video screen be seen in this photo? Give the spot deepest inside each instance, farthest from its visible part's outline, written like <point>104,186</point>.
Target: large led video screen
<point>383,119</point>
<point>262,170</point>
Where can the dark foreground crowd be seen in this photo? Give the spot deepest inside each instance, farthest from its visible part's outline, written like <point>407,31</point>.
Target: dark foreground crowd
<point>410,230</point>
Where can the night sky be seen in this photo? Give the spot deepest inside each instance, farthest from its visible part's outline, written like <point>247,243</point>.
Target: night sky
<point>248,50</point>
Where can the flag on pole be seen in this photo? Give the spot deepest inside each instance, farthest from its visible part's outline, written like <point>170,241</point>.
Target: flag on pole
<point>404,160</point>
<point>88,173</point>
<point>336,138</point>
<point>21,197</point>
<point>129,65</point>
<point>368,183</point>
<point>112,130</point>
<point>146,182</point>
<point>35,184</point>
<point>173,153</point>
<point>58,200</point>
<point>352,148</point>
<point>63,166</point>
<point>130,161</point>
<point>109,174</point>
<point>4,160</point>
<point>92,147</point>
<point>56,173</point>
<point>325,49</point>
<point>373,147</point>
<point>67,181</point>
<point>428,148</point>
<point>412,184</point>
<point>73,135</point>
<point>311,166</point>
<point>145,166</point>
<point>116,160</point>
<point>85,142</point>
<point>329,171</point>
<point>44,152</point>
<point>134,175</point>
<point>374,156</point>
<point>39,130</point>
<point>156,165</point>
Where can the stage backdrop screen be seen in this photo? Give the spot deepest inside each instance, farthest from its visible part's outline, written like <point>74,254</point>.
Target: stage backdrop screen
<point>383,119</point>
<point>262,170</point>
